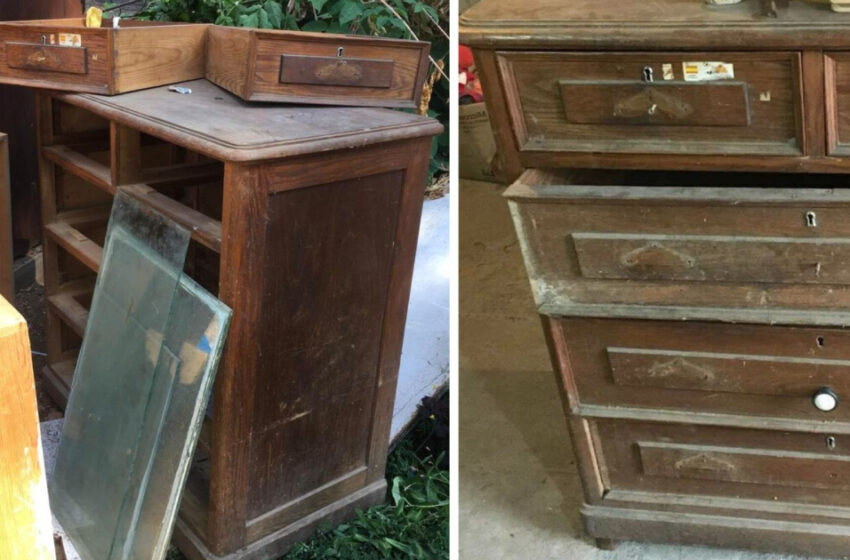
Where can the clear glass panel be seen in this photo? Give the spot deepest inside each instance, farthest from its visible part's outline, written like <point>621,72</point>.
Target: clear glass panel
<point>143,376</point>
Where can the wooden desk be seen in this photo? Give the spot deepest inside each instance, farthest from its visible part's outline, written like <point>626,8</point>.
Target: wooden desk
<point>304,221</point>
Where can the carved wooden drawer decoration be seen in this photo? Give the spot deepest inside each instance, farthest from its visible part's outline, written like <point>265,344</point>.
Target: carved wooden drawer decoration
<point>755,251</point>
<point>724,462</point>
<point>664,103</point>
<point>757,371</point>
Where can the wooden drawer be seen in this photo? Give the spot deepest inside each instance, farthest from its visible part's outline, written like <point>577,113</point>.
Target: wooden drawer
<point>723,462</point>
<point>712,368</point>
<point>63,54</point>
<point>750,254</point>
<point>602,102</point>
<point>319,68</point>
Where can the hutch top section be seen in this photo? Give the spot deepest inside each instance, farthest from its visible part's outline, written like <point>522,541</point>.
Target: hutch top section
<point>214,122</point>
<point>652,24</point>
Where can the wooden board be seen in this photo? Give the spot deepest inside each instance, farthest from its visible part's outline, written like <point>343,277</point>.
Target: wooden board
<point>26,528</point>
<point>7,275</point>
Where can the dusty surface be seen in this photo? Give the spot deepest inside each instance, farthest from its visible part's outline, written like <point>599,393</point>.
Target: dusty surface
<point>519,487</point>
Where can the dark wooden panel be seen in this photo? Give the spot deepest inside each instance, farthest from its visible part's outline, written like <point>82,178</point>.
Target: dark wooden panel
<point>325,295</point>
<point>336,71</point>
<point>753,370</point>
<point>47,58</point>
<point>659,103</point>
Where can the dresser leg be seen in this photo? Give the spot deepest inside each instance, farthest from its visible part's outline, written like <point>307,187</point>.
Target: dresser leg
<point>606,544</point>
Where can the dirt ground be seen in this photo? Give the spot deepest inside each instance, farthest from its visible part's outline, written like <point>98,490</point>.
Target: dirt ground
<point>30,302</point>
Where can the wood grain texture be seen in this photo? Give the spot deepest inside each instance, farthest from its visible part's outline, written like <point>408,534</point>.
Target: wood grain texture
<point>655,24</point>
<point>26,529</point>
<point>299,67</point>
<point>736,249</point>
<point>138,55</point>
<point>756,370</point>
<point>7,276</point>
<point>767,122</point>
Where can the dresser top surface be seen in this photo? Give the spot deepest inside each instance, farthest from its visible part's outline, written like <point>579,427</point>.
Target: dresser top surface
<point>215,122</point>
<point>678,22</point>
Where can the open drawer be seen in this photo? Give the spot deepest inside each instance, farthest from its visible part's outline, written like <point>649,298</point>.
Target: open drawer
<point>655,103</point>
<point>317,68</point>
<point>64,54</point>
<point>732,247</point>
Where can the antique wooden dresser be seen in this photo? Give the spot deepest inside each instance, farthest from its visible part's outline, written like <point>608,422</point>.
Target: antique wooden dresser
<point>304,221</point>
<point>682,202</point>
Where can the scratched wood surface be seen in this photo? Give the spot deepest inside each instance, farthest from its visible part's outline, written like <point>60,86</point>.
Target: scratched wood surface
<point>26,528</point>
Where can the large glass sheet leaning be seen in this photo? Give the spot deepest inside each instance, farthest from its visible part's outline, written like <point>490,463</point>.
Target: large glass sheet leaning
<point>143,376</point>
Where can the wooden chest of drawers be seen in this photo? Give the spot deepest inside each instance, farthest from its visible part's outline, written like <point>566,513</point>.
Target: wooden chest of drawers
<point>682,205</point>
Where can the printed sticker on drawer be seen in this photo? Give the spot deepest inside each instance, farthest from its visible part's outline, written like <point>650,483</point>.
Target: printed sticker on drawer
<point>70,40</point>
<point>707,71</point>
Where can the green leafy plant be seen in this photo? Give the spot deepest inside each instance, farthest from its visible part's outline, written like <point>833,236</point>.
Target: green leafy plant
<point>425,20</point>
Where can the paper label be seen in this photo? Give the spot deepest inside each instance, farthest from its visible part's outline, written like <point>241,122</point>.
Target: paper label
<point>70,40</point>
<point>668,72</point>
<point>707,71</point>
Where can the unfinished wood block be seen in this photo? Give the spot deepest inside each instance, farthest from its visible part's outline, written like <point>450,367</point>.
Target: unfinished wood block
<point>26,529</point>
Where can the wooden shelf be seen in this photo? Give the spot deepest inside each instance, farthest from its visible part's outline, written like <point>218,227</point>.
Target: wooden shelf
<point>58,376</point>
<point>66,306</point>
<point>183,173</point>
<point>64,231</point>
<point>79,164</point>
<point>205,230</point>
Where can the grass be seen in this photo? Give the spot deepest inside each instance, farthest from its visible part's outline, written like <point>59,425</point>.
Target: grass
<point>414,523</point>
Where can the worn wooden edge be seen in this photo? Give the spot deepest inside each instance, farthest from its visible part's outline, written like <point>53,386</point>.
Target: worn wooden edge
<point>310,36</point>
<point>194,546</point>
<point>764,534</point>
<point>826,426</point>
<point>338,100</point>
<point>7,276</point>
<point>771,34</point>
<point>216,148</point>
<point>57,379</point>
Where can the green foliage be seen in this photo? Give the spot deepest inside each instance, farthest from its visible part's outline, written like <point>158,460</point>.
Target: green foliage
<point>425,18</point>
<point>414,524</point>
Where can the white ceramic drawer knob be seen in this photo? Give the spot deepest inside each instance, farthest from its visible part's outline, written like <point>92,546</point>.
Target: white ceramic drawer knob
<point>825,400</point>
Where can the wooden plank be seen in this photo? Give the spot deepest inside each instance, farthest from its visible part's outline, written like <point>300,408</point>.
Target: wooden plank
<point>75,242</point>
<point>7,275</point>
<point>81,165</point>
<point>26,529</point>
<point>47,58</point>
<point>66,306</point>
<point>152,56</point>
<point>205,230</point>
<point>58,376</point>
<point>658,103</point>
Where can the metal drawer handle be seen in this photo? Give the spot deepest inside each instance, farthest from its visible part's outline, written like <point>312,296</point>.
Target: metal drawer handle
<point>825,399</point>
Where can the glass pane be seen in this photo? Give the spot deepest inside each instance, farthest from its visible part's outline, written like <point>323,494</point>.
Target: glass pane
<point>144,374</point>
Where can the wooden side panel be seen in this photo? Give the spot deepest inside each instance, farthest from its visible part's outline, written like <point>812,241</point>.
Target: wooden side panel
<point>659,103</point>
<point>151,56</point>
<point>229,58</point>
<point>325,293</point>
<point>758,371</point>
<point>773,94</point>
<point>7,277</point>
<point>26,529</point>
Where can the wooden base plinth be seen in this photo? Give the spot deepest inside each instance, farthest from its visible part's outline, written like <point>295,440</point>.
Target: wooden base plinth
<point>279,542</point>
<point>829,538</point>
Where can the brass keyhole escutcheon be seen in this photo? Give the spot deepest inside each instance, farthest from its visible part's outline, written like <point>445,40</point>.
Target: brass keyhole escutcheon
<point>831,444</point>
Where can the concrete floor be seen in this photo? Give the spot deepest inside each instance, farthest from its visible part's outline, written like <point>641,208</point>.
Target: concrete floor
<point>519,487</point>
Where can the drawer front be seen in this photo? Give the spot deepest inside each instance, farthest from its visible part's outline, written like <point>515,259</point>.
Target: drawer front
<point>715,368</point>
<point>60,57</point>
<point>838,103</point>
<point>344,70</point>
<point>741,249</point>
<point>724,462</point>
<point>664,103</point>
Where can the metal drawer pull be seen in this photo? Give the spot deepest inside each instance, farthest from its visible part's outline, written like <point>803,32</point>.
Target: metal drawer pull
<point>825,399</point>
